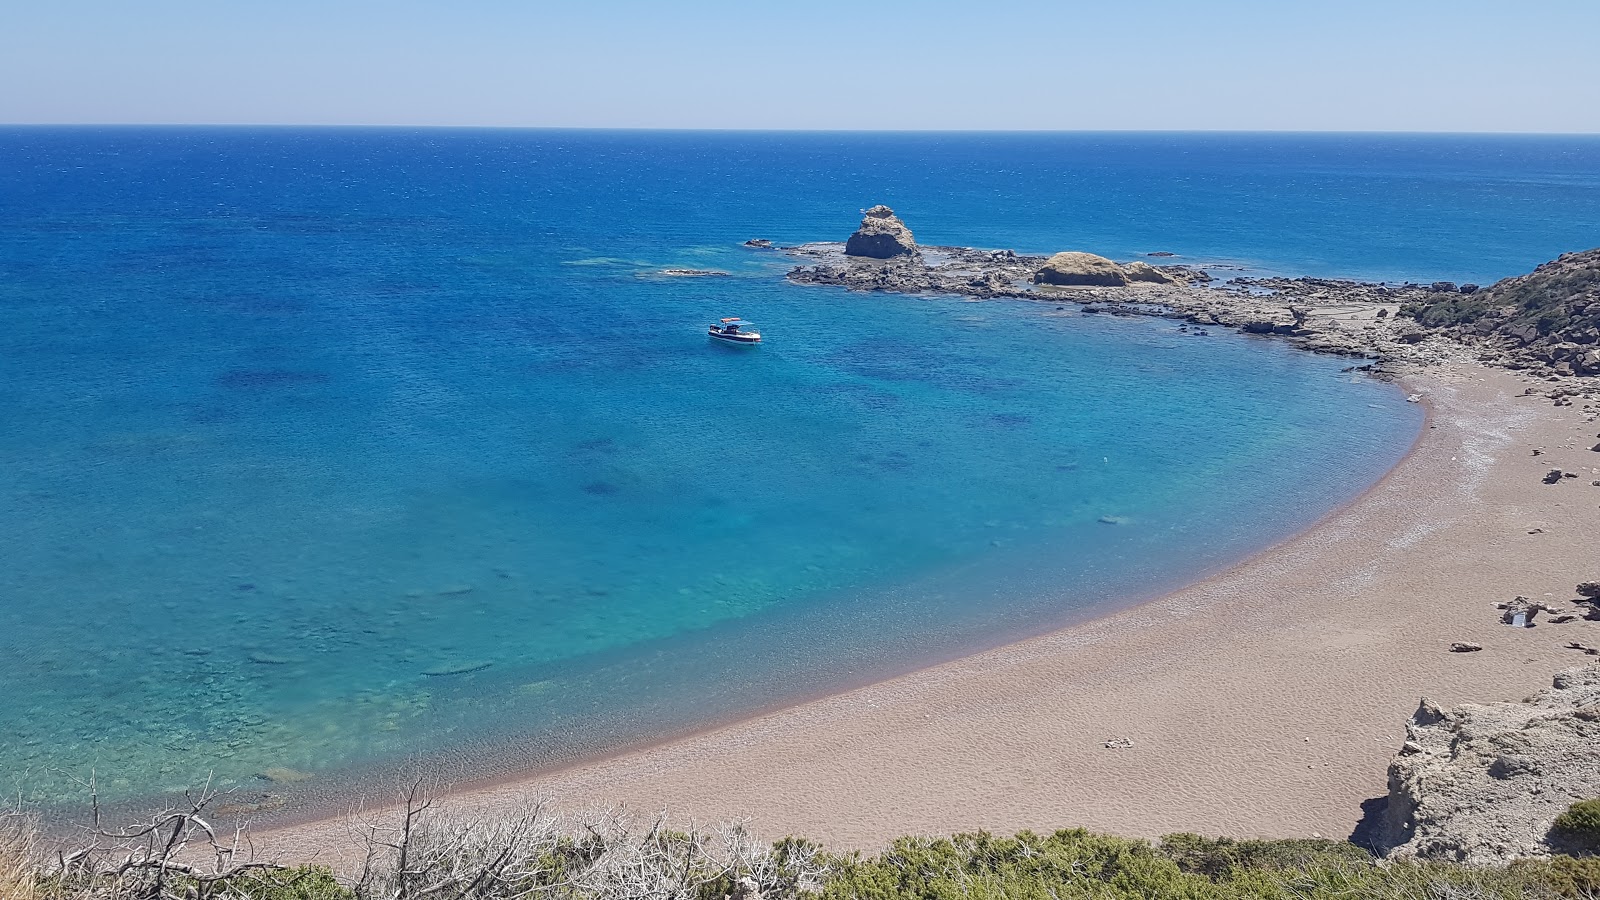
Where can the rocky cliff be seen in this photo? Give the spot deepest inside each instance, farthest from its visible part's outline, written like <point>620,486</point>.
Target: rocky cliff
<point>881,236</point>
<point>1550,316</point>
<point>1484,782</point>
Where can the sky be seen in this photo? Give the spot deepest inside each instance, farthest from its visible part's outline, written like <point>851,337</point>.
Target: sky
<point>1283,65</point>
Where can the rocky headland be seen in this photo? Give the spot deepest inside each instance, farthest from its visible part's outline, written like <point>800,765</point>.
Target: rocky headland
<point>1547,323</point>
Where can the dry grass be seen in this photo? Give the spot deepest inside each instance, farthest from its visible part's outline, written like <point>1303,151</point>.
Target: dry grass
<point>18,863</point>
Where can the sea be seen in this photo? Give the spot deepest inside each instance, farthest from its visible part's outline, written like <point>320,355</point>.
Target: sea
<point>333,455</point>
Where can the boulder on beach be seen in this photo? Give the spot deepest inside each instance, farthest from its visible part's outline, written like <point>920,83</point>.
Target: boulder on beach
<point>881,236</point>
<point>1143,271</point>
<point>1075,268</point>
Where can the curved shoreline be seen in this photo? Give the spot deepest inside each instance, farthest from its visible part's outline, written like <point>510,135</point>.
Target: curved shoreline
<point>301,798</point>
<point>294,819</point>
<point>1250,697</point>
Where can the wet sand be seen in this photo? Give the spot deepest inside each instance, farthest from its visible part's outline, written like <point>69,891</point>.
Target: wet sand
<point>1264,701</point>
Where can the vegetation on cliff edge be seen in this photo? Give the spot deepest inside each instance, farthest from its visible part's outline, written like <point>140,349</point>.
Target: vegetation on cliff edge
<point>427,857</point>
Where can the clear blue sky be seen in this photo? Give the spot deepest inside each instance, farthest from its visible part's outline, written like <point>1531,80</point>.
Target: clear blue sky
<point>1399,65</point>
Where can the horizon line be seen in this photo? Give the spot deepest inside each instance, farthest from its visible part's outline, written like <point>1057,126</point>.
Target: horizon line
<point>859,131</point>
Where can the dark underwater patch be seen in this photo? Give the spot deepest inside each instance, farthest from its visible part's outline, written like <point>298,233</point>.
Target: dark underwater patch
<point>260,379</point>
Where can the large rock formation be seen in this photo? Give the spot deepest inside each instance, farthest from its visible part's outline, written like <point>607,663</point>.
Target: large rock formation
<point>881,236</point>
<point>1143,271</point>
<point>1075,268</point>
<point>1484,782</point>
<point>1550,316</point>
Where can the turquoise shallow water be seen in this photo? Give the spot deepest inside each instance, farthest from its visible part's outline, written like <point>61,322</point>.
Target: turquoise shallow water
<point>340,450</point>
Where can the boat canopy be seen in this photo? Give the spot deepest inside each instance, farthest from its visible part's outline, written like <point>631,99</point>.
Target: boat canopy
<point>735,321</point>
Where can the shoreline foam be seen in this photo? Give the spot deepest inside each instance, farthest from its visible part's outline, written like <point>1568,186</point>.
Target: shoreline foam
<point>1264,700</point>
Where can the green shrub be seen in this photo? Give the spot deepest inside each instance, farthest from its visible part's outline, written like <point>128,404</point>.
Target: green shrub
<point>1066,864</point>
<point>1448,309</point>
<point>301,883</point>
<point>1216,857</point>
<point>1563,876</point>
<point>1579,826</point>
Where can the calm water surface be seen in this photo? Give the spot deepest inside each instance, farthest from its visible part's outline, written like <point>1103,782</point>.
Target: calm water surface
<point>334,450</point>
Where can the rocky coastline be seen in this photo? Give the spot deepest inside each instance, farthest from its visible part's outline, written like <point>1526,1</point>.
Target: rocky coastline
<point>1394,329</point>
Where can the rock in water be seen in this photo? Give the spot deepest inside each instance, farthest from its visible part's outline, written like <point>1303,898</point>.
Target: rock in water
<point>1076,268</point>
<point>881,236</point>
<point>1143,271</point>
<point>1484,782</point>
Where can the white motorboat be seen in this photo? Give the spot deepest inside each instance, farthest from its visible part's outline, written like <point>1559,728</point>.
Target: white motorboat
<point>736,331</point>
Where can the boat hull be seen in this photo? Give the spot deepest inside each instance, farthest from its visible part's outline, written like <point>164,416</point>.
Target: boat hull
<point>736,340</point>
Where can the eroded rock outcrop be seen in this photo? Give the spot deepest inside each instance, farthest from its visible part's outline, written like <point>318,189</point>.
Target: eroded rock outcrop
<point>1076,268</point>
<point>881,236</point>
<point>1484,782</point>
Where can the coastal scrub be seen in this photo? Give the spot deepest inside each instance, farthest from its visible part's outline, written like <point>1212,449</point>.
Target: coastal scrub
<point>1579,825</point>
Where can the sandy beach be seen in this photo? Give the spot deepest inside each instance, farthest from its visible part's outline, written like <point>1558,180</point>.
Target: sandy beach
<point>1264,701</point>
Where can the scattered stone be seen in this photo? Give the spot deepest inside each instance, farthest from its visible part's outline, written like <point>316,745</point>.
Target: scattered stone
<point>1553,476</point>
<point>1080,269</point>
<point>1521,612</point>
<point>1591,651</point>
<point>1589,589</point>
<point>1117,744</point>
<point>759,243</point>
<point>1464,647</point>
<point>1537,451</point>
<point>1162,253</point>
<point>881,236</point>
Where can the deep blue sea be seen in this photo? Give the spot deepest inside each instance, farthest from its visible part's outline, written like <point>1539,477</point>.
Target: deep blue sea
<point>352,450</point>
